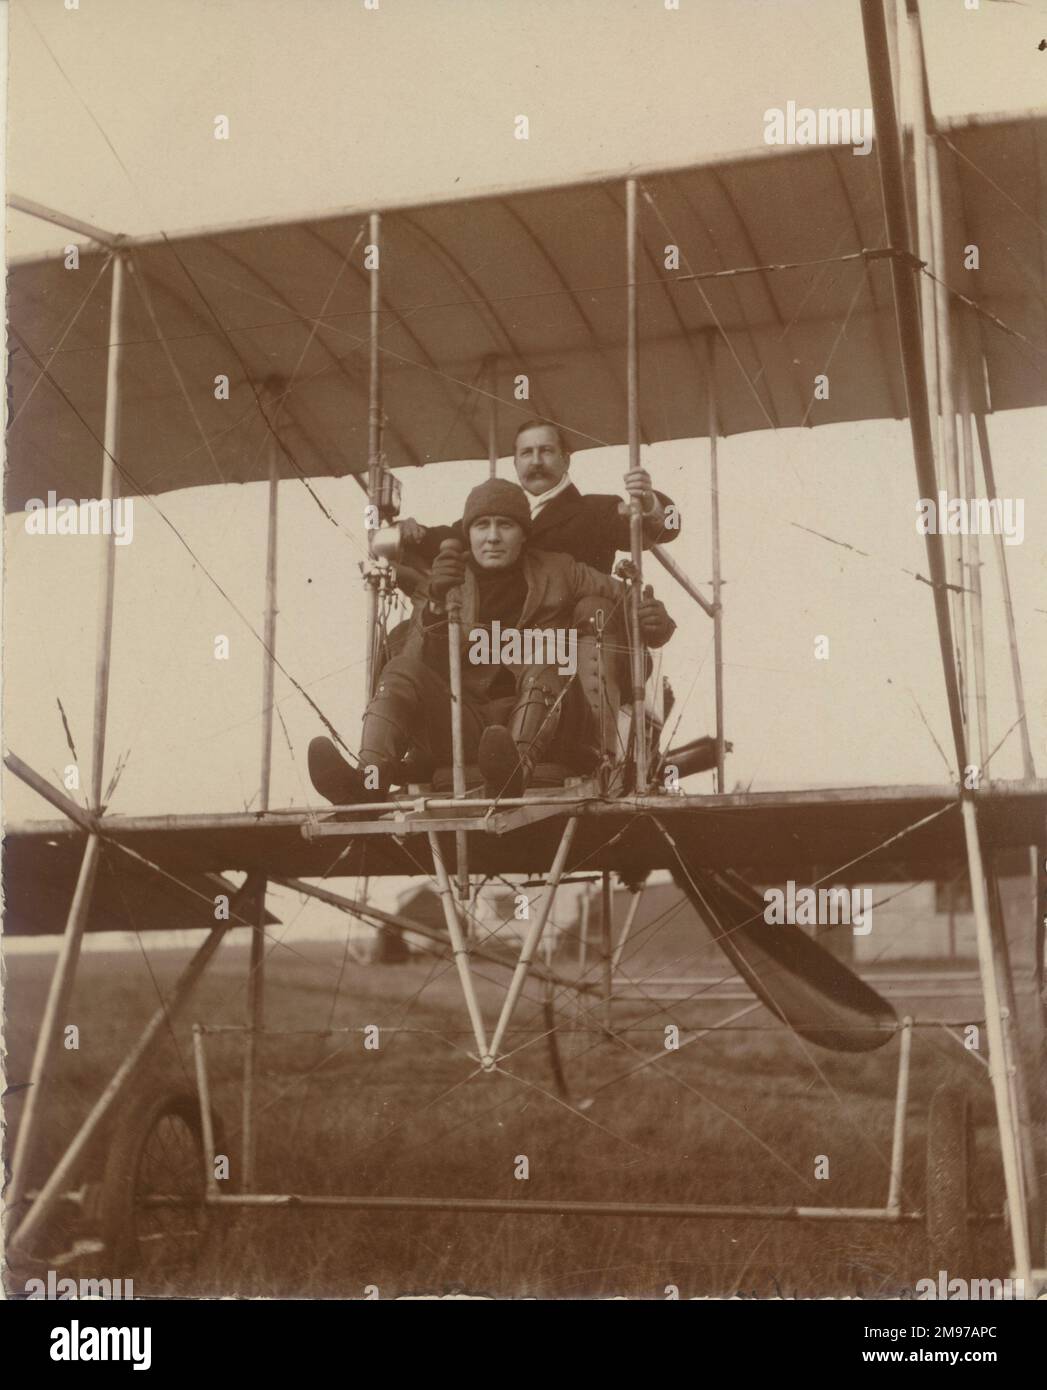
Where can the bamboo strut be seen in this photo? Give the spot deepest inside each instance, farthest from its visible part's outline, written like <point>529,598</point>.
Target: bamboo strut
<point>1001,1056</point>
<point>58,996</point>
<point>374,438</point>
<point>203,1088</point>
<point>256,964</point>
<point>685,582</point>
<point>606,952</point>
<point>154,1030</point>
<point>534,936</point>
<point>889,154</point>
<point>714,522</point>
<point>536,1207</point>
<point>492,418</point>
<point>1028,762</point>
<point>954,546</point>
<point>929,335</point>
<point>901,1101</point>
<point>973,574</point>
<point>635,503</point>
<point>63,978</point>
<point>393,919</point>
<point>630,918</point>
<point>458,946</point>
<point>454,667</point>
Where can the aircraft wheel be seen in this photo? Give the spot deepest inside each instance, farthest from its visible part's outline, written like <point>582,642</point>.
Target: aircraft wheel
<point>157,1150</point>
<point>950,1151</point>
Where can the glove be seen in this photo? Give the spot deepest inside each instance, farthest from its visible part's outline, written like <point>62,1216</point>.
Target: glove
<point>656,627</point>
<point>448,571</point>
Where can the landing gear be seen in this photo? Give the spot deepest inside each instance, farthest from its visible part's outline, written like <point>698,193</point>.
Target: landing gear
<point>950,1163</point>
<point>152,1213</point>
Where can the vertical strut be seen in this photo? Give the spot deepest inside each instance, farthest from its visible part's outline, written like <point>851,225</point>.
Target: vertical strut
<point>458,946</point>
<point>635,503</point>
<point>374,438</point>
<point>973,572</point>
<point>921,172</point>
<point>1002,1062</point>
<point>110,491</point>
<point>454,666</point>
<point>901,1101</point>
<point>889,155</point>
<point>534,936</point>
<point>714,521</point>
<point>61,987</point>
<point>606,949</point>
<point>950,455</point>
<point>492,417</point>
<point>1028,762</point>
<point>154,1030</point>
<point>256,964</point>
<point>634,907</point>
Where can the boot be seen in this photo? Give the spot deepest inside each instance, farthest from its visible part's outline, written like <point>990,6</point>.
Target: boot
<point>338,781</point>
<point>500,763</point>
<point>534,720</point>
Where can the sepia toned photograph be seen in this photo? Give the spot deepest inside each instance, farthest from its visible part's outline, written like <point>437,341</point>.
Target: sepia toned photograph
<point>524,700</point>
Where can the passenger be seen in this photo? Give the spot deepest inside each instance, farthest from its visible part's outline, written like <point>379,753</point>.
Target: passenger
<point>515,700</point>
<point>591,527</point>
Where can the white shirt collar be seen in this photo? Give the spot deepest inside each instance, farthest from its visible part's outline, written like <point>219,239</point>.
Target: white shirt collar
<point>537,503</point>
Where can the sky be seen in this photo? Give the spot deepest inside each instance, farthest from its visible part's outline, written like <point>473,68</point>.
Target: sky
<point>111,110</point>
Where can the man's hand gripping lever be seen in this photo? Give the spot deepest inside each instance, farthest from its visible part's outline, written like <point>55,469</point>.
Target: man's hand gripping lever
<point>447,576</point>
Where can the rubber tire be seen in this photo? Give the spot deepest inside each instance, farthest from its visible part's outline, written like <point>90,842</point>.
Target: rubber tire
<point>950,1151</point>
<point>120,1182</point>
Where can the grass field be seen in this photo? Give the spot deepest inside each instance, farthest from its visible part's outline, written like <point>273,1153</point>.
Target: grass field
<point>738,1117</point>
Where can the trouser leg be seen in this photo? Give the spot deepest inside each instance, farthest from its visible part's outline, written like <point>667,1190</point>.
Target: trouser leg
<point>602,647</point>
<point>412,708</point>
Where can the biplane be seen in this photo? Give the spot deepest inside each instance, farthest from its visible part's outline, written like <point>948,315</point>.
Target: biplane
<point>115,397</point>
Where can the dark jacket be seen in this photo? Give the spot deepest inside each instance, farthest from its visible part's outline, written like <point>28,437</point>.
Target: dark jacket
<point>586,526</point>
<point>555,584</point>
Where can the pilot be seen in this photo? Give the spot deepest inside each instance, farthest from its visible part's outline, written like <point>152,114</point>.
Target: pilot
<point>591,527</point>
<point>515,700</point>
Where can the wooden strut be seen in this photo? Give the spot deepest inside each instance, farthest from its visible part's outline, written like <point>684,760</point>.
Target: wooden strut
<point>64,975</point>
<point>539,1207</point>
<point>401,923</point>
<point>635,503</point>
<point>256,964</point>
<point>1028,762</point>
<point>459,947</point>
<point>684,580</point>
<point>532,939</point>
<point>634,907</point>
<point>954,545</point>
<point>901,1101</point>
<point>374,437</point>
<point>606,948</point>
<point>889,155</point>
<point>714,523</point>
<point>921,179</point>
<point>154,1031</point>
<point>1037,853</point>
<point>973,571</point>
<point>492,418</point>
<point>454,667</point>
